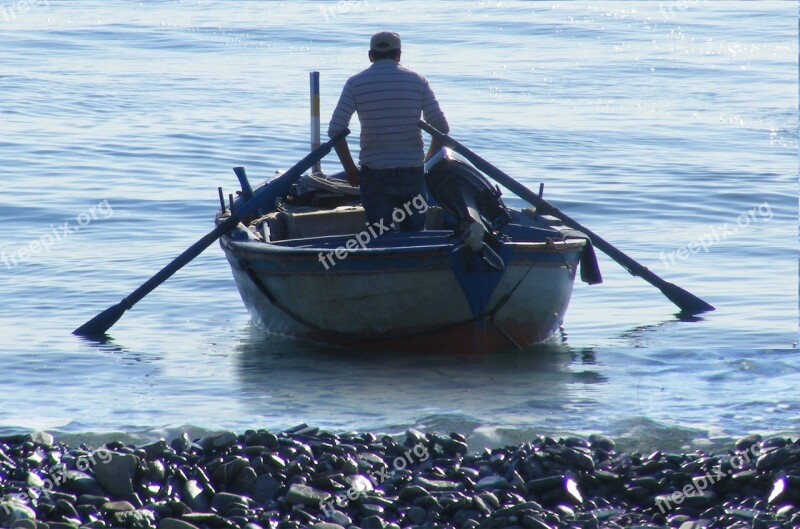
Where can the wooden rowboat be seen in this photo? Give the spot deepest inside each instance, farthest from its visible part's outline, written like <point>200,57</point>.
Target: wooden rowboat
<point>480,278</point>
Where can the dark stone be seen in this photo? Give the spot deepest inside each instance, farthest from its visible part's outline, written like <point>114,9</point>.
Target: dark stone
<point>24,524</point>
<point>648,482</point>
<point>117,506</point>
<point>275,460</point>
<point>455,447</point>
<point>13,511</point>
<point>156,471</point>
<point>745,476</point>
<point>415,437</point>
<point>155,449</point>
<point>368,509</point>
<point>774,458</point>
<point>492,483</point>
<point>181,444</point>
<point>303,495</point>
<point>247,476</point>
<point>174,523</point>
<point>42,439</point>
<point>377,500</point>
<point>65,508</point>
<point>578,459</point>
<point>774,442</point>
<point>195,497</point>
<point>533,522</point>
<point>218,441</point>
<point>601,442</point>
<point>462,516</point>
<point>116,475</point>
<point>227,472</point>
<point>373,522</point>
<point>695,524</point>
<point>340,518</point>
<point>490,498</point>
<point>82,483</point>
<point>223,501</point>
<point>412,492</point>
<point>545,484</point>
<point>265,488</point>
<point>427,502</point>
<point>139,519</point>
<point>416,515</point>
<point>746,443</point>
<point>482,506</point>
<point>564,511</point>
<point>637,494</point>
<point>202,518</point>
<point>436,484</point>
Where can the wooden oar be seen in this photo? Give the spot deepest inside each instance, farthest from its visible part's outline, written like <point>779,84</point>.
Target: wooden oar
<point>686,301</point>
<point>264,197</point>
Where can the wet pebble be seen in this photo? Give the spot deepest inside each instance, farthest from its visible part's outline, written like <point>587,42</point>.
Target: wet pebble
<point>116,475</point>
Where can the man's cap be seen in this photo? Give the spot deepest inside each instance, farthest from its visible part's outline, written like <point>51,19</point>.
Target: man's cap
<point>385,41</point>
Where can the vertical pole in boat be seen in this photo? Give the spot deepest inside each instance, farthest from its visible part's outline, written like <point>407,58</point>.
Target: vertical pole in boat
<point>221,201</point>
<point>315,140</point>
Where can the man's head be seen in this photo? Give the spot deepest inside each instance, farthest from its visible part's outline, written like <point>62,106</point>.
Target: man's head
<point>384,45</point>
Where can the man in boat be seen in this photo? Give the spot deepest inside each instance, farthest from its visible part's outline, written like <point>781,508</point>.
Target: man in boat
<point>389,100</point>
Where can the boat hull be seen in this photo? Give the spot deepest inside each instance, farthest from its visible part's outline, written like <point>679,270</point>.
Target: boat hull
<point>412,295</point>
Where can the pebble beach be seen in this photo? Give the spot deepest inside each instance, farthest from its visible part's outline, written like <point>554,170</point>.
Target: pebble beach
<point>669,128</point>
<point>304,477</point>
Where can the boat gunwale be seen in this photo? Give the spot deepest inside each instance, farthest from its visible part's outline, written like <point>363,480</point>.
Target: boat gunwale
<point>328,243</point>
<point>266,248</point>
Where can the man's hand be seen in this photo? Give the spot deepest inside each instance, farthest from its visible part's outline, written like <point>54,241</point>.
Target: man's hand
<point>353,176</point>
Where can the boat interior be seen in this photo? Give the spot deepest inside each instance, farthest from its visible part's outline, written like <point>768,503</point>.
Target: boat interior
<point>326,206</point>
<point>280,226</point>
<point>343,220</point>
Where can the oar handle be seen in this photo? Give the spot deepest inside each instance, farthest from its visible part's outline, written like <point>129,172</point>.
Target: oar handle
<point>686,301</point>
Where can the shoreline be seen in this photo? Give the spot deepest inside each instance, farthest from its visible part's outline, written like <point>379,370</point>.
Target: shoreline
<point>305,477</point>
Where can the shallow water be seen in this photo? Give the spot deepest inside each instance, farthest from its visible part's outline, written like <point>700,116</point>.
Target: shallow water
<point>655,124</point>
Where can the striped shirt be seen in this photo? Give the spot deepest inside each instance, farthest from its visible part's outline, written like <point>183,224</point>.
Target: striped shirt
<point>389,100</point>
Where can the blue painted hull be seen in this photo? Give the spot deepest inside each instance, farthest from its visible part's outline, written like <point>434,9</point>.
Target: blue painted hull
<point>410,292</point>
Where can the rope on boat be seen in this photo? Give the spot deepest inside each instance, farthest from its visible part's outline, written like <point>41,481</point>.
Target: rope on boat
<point>550,243</point>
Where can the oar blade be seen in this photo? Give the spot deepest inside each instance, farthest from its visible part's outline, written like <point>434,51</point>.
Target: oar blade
<point>98,326</point>
<point>686,301</point>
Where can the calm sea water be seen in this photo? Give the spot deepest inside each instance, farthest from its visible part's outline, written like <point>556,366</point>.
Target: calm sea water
<point>670,128</point>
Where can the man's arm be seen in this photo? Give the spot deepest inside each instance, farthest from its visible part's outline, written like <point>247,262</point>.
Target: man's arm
<point>350,168</point>
<point>433,114</point>
<point>340,121</point>
<point>433,149</point>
